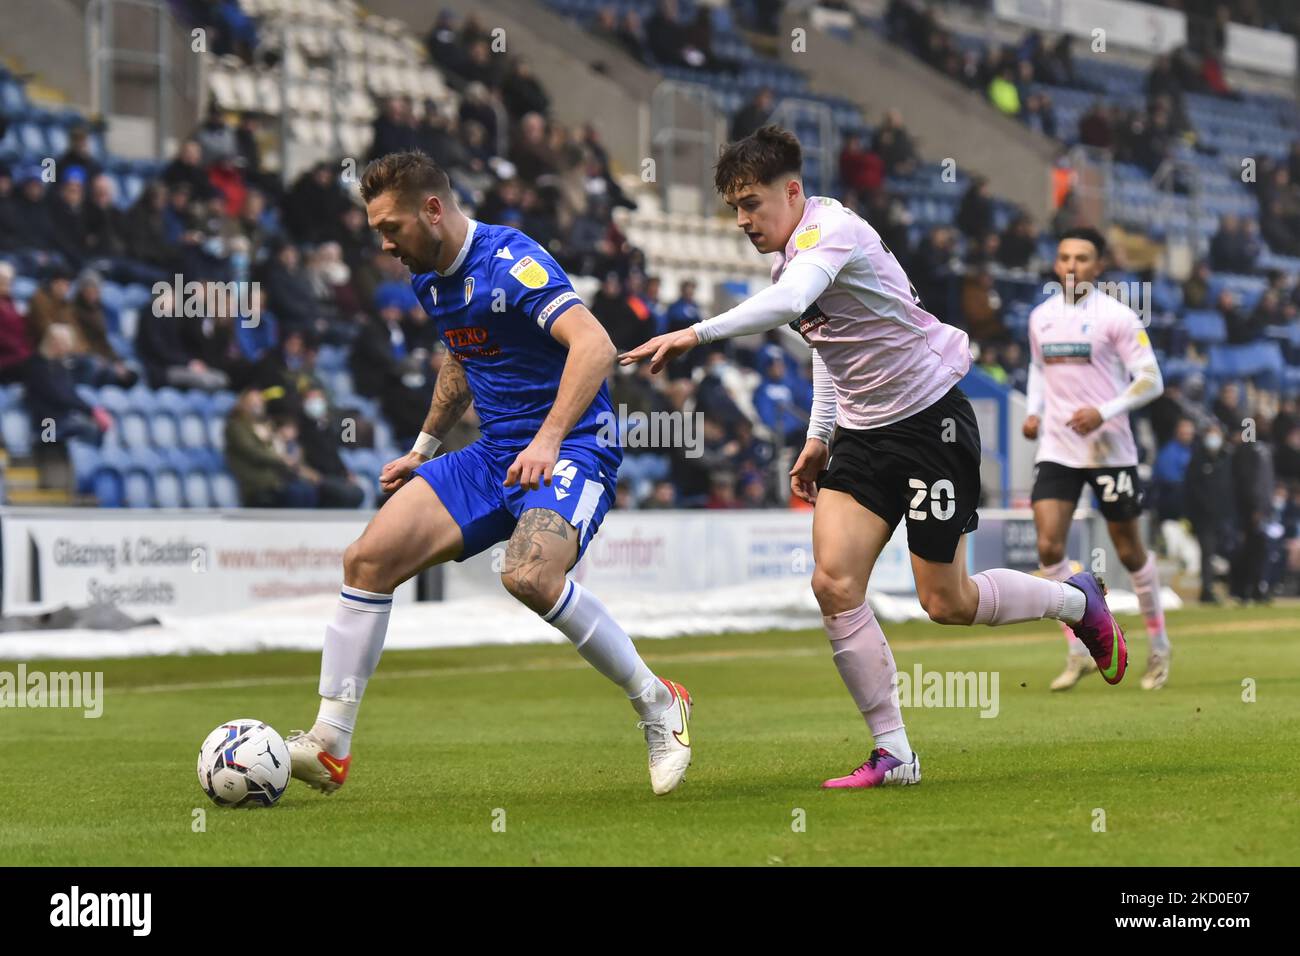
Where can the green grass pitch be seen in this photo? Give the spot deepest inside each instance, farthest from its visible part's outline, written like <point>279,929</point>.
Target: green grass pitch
<point>449,739</point>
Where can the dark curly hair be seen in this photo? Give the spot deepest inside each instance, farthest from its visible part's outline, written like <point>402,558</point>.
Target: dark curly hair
<point>759,158</point>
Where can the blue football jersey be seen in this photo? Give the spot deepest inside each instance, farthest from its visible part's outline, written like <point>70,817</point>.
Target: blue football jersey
<point>494,308</point>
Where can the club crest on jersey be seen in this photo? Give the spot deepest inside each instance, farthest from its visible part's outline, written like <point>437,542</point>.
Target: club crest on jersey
<point>530,272</point>
<point>812,318</point>
<point>469,289</point>
<point>807,237</point>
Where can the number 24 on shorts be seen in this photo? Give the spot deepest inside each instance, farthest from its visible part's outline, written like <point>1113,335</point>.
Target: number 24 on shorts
<point>1114,486</point>
<point>942,495</point>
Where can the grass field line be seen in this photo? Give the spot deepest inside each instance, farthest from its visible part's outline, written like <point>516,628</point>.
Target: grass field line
<point>688,657</point>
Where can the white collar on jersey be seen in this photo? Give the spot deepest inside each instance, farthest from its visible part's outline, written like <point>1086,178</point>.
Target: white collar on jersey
<point>464,250</point>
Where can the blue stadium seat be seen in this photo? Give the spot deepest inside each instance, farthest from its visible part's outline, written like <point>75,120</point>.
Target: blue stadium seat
<point>135,430</point>
<point>84,459</point>
<point>217,432</point>
<point>167,490</point>
<point>1205,326</point>
<point>198,491</point>
<point>192,432</point>
<point>108,487</point>
<point>16,430</point>
<point>225,493</point>
<point>164,430</point>
<point>138,489</point>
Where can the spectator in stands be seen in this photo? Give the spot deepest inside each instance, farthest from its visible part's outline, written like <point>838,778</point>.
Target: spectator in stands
<point>103,223</point>
<point>1196,290</point>
<point>1252,486</point>
<point>1286,459</point>
<point>15,346</point>
<point>1208,497</point>
<point>445,48</point>
<point>753,114</point>
<point>51,394</point>
<point>160,350</point>
<point>382,367</point>
<point>187,168</point>
<point>1170,470</point>
<point>632,37</point>
<point>664,33</point>
<point>861,169</point>
<point>975,214</point>
<point>314,204</point>
<point>267,476</point>
<point>1241,328</point>
<point>1016,365</point>
<point>1168,410</point>
<point>934,267</point>
<point>722,492</point>
<point>227,181</point>
<point>98,364</point>
<point>521,93</point>
<point>1231,249</point>
<point>79,155</point>
<point>1095,126</point>
<point>216,137</point>
<point>1228,408</point>
<point>531,151</point>
<point>394,129</point>
<point>895,146</point>
<point>319,435</point>
<point>50,305</point>
<point>479,105</point>
<point>1039,114</point>
<point>611,306</point>
<point>288,290</point>
<point>67,215</point>
<point>776,404</point>
<point>11,226</point>
<point>145,230</point>
<point>1002,92</point>
<point>32,210</point>
<point>1018,246</point>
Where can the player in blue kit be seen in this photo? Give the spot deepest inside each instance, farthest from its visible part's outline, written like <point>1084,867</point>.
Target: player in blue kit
<point>534,360</point>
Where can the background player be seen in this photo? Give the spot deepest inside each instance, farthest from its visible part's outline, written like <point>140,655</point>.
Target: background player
<point>534,360</point>
<point>1084,345</point>
<point>907,443</point>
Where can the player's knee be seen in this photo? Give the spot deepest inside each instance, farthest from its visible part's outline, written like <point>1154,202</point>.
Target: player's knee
<point>364,567</point>
<point>836,593</point>
<point>944,607</point>
<point>1050,552</point>
<point>536,585</point>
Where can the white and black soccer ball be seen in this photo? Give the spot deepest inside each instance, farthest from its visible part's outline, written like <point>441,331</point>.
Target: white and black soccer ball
<point>244,763</point>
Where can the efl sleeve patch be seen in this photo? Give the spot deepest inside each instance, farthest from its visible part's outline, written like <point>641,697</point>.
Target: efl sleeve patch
<point>1143,339</point>
<point>808,237</point>
<point>530,273</point>
<point>553,307</point>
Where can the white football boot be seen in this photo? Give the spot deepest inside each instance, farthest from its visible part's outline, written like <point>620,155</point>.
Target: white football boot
<point>1077,667</point>
<point>668,738</point>
<point>314,765</point>
<point>1157,670</point>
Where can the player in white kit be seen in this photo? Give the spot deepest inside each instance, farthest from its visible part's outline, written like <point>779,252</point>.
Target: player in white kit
<point>903,441</point>
<point>1091,364</point>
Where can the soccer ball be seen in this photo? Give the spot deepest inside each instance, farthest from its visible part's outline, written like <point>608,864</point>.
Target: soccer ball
<point>244,763</point>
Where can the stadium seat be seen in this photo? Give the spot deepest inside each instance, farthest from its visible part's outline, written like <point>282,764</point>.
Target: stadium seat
<point>84,459</point>
<point>1205,326</point>
<point>217,433</point>
<point>163,430</point>
<point>134,430</point>
<point>198,491</point>
<point>107,486</point>
<point>16,429</point>
<point>167,490</point>
<point>138,489</point>
<point>225,493</point>
<point>191,431</point>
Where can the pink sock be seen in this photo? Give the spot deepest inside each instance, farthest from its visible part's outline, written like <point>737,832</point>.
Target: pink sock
<point>1059,572</point>
<point>1146,582</point>
<point>1008,597</point>
<point>866,666</point>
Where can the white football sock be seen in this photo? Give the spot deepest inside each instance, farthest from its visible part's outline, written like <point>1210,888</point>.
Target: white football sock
<point>1072,609</point>
<point>585,621</point>
<point>895,741</point>
<point>354,640</point>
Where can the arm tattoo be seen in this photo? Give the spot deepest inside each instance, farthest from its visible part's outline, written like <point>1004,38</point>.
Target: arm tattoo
<point>451,396</point>
<point>526,553</point>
